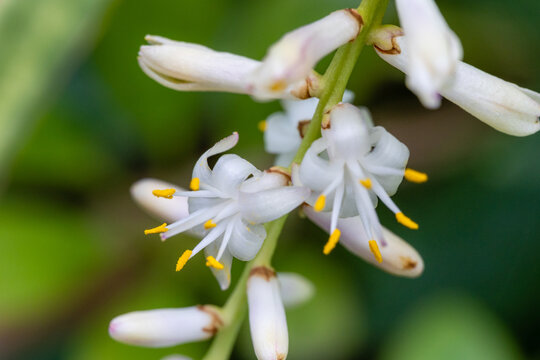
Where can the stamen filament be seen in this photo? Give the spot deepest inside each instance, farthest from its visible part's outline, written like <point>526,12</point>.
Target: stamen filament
<point>182,260</point>
<point>195,184</point>
<point>375,250</point>
<point>415,176</point>
<point>405,221</point>
<point>332,242</point>
<point>211,262</point>
<point>158,229</point>
<point>167,193</point>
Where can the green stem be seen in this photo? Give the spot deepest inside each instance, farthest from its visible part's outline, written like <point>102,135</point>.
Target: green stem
<point>334,83</point>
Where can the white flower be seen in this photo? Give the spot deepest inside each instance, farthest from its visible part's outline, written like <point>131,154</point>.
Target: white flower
<point>267,319</point>
<point>434,49</point>
<point>166,327</point>
<point>186,66</point>
<point>400,258</point>
<point>295,289</point>
<point>283,131</point>
<point>293,57</point>
<point>227,206</point>
<point>498,103</point>
<point>351,166</point>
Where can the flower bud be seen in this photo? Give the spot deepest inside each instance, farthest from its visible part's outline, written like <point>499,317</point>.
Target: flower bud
<point>267,315</point>
<point>166,327</point>
<point>398,257</point>
<point>295,289</point>
<point>293,57</point>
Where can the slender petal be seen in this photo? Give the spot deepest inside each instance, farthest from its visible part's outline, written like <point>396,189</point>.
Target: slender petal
<point>163,209</point>
<point>201,169</point>
<point>166,327</point>
<point>266,315</point>
<point>295,289</point>
<point>246,240</point>
<point>230,171</point>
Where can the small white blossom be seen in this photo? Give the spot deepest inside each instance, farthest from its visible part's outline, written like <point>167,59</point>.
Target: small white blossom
<point>351,166</point>
<point>166,327</point>
<point>283,131</point>
<point>400,258</point>
<point>434,49</point>
<point>227,206</point>
<point>267,319</point>
<point>295,289</point>
<point>293,57</point>
<point>498,103</point>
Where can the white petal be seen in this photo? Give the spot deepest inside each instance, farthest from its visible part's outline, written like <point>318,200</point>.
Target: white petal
<point>201,169</point>
<point>399,258</point>
<point>295,54</point>
<point>281,135</point>
<point>267,319</point>
<point>268,180</point>
<point>223,276</point>
<point>295,289</point>
<point>176,357</point>
<point>190,67</point>
<point>390,153</point>
<point>246,240</point>
<point>267,205</point>
<point>315,172</point>
<point>285,159</point>
<point>166,327</point>
<point>298,110</point>
<point>230,171</point>
<point>498,103</point>
<point>163,209</point>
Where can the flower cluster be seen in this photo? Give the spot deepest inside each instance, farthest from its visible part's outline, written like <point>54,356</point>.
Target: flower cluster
<point>344,164</point>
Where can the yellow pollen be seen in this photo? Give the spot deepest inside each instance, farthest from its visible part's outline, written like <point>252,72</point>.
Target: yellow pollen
<point>209,224</point>
<point>211,262</point>
<point>415,176</point>
<point>167,193</point>
<point>262,125</point>
<point>405,221</point>
<point>158,229</point>
<point>332,242</point>
<point>366,183</point>
<point>319,204</point>
<point>195,184</point>
<point>375,250</point>
<point>182,260</point>
<point>279,85</point>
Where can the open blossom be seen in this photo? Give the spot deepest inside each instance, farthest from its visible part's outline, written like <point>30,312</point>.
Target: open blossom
<point>293,57</point>
<point>434,49</point>
<point>283,131</point>
<point>352,166</point>
<point>498,103</point>
<point>227,206</point>
<point>400,258</point>
<point>186,66</point>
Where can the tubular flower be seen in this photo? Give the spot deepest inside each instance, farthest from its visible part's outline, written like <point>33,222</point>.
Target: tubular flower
<point>185,66</point>
<point>227,207</point>
<point>351,166</point>
<point>283,131</point>
<point>498,103</point>
<point>293,57</point>
<point>400,258</point>
<point>434,49</point>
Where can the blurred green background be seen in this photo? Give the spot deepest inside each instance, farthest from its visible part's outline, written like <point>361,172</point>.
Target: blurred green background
<point>80,122</point>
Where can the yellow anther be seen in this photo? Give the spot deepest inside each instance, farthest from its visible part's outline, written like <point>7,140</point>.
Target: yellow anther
<point>278,85</point>
<point>319,204</point>
<point>415,176</point>
<point>158,229</point>
<point>167,193</point>
<point>195,184</point>
<point>332,242</point>
<point>405,221</point>
<point>262,125</point>
<point>375,250</point>
<point>182,260</point>
<point>209,224</point>
<point>211,262</point>
<point>366,183</point>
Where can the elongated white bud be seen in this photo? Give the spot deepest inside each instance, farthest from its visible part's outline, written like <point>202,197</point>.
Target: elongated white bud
<point>398,257</point>
<point>295,289</point>
<point>293,57</point>
<point>433,49</point>
<point>166,327</point>
<point>267,315</point>
<point>170,210</point>
<point>498,103</point>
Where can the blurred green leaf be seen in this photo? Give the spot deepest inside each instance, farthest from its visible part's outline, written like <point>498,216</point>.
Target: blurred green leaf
<point>37,38</point>
<point>449,327</point>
